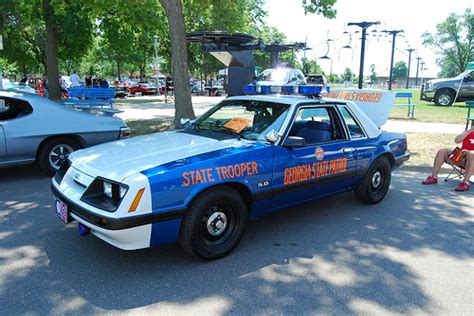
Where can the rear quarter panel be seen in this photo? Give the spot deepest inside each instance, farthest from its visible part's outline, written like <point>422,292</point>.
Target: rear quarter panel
<point>25,134</point>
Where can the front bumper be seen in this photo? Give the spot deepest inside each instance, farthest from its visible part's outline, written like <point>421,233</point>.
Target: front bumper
<point>128,233</point>
<point>426,95</point>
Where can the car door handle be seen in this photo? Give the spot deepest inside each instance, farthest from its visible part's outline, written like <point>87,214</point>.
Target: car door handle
<point>347,150</point>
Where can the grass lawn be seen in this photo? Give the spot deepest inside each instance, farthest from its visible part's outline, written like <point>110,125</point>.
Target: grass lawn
<point>429,112</point>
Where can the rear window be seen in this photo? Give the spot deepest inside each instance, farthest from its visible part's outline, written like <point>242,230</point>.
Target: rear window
<point>13,108</point>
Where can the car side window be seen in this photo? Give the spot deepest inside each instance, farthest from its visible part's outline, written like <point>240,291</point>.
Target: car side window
<point>355,130</point>
<point>13,108</point>
<point>317,125</point>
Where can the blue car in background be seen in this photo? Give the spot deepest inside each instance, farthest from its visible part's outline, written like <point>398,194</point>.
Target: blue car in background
<point>245,158</point>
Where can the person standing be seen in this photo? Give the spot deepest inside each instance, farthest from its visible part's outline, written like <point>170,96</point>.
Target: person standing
<point>88,81</point>
<point>75,81</point>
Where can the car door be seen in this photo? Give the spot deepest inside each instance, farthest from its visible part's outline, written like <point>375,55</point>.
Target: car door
<point>325,165</point>
<point>15,121</point>
<point>467,87</point>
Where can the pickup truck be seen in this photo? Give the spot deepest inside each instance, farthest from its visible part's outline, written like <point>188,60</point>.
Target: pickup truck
<point>444,92</point>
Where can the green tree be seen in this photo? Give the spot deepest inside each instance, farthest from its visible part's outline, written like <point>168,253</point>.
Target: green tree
<point>311,67</point>
<point>373,74</point>
<point>323,7</point>
<point>400,70</point>
<point>453,42</point>
<point>347,75</point>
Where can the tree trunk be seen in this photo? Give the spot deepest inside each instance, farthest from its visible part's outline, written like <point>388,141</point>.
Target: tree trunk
<point>119,70</point>
<point>179,61</point>
<point>51,49</point>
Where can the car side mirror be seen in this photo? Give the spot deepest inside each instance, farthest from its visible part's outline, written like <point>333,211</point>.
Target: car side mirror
<point>186,121</point>
<point>294,141</point>
<point>272,136</point>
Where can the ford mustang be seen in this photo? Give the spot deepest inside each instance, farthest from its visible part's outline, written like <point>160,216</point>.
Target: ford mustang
<point>246,157</point>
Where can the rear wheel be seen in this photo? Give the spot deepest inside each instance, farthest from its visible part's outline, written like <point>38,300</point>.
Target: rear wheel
<point>444,97</point>
<point>55,152</point>
<point>214,224</point>
<point>376,182</point>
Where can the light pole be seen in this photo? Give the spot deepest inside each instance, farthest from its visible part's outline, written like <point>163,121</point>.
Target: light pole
<point>410,50</point>
<point>394,34</point>
<point>364,26</point>
<point>417,68</point>
<point>155,42</point>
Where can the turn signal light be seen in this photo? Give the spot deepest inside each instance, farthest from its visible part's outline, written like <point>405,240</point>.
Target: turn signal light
<point>136,200</point>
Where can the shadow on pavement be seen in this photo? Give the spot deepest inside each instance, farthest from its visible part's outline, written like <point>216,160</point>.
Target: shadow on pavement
<point>319,258</point>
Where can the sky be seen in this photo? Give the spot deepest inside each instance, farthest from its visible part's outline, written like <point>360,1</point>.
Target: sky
<point>413,16</point>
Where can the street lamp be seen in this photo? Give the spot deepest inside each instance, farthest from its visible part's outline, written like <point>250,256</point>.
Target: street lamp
<point>417,68</point>
<point>394,34</point>
<point>410,50</point>
<point>364,26</point>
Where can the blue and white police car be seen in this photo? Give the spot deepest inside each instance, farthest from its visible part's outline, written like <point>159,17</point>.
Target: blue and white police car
<point>246,157</point>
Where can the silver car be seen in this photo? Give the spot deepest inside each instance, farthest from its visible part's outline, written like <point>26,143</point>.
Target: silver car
<point>33,128</point>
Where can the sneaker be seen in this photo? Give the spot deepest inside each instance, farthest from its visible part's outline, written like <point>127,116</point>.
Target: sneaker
<point>463,186</point>
<point>430,180</point>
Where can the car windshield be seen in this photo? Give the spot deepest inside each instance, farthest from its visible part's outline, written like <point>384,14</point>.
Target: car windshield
<point>248,119</point>
<point>463,74</point>
<point>279,74</point>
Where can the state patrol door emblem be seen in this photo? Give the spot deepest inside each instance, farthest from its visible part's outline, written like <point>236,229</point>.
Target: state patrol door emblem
<point>319,152</point>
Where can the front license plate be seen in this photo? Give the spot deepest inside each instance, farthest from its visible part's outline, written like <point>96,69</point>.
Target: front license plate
<point>62,211</point>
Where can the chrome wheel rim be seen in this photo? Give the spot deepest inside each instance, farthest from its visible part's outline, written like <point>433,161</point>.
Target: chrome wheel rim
<point>444,99</point>
<point>59,154</point>
<point>216,224</point>
<point>376,179</point>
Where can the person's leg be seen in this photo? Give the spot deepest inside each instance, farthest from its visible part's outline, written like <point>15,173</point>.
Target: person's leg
<point>469,165</point>
<point>441,157</point>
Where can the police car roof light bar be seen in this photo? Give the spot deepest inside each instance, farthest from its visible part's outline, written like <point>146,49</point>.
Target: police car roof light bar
<point>309,91</point>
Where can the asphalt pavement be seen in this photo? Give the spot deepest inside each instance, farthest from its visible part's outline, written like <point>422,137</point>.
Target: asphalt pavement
<point>413,254</point>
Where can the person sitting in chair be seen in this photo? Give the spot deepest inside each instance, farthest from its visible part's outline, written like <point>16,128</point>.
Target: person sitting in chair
<point>467,152</point>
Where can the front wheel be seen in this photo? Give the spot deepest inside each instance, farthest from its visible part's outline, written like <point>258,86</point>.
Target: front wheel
<point>444,97</point>
<point>214,224</point>
<point>376,182</point>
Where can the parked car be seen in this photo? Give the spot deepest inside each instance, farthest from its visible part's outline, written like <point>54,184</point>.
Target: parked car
<point>282,76</point>
<point>246,157</point>
<point>143,88</point>
<point>33,128</point>
<point>120,90</point>
<point>316,80</point>
<point>16,86</point>
<point>443,91</point>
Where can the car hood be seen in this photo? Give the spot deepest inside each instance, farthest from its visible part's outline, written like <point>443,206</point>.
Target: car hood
<point>119,159</point>
<point>444,81</point>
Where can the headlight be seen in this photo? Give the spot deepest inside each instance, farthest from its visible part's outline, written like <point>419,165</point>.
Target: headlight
<point>105,194</point>
<point>429,86</point>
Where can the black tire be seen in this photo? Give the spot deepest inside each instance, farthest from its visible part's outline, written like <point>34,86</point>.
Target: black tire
<point>444,97</point>
<point>50,166</point>
<point>205,216</point>
<point>376,182</point>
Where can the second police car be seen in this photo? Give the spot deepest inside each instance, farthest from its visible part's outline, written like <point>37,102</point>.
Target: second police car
<point>246,157</point>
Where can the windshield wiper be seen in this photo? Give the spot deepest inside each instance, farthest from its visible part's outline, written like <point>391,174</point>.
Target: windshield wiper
<point>230,131</point>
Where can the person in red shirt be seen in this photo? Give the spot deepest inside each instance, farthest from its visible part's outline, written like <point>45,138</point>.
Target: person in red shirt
<point>467,152</point>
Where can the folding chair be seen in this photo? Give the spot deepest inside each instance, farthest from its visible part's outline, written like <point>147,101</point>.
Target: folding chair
<point>456,162</point>
<point>456,172</point>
